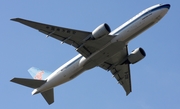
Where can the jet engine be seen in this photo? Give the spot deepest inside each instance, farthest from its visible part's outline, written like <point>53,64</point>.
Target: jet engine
<point>100,31</point>
<point>136,55</point>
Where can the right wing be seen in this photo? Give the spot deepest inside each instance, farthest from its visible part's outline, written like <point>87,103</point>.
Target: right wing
<point>120,69</point>
<point>76,38</point>
<point>122,75</point>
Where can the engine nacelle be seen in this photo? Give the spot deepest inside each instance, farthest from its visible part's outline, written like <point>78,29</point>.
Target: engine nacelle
<point>100,31</point>
<point>136,55</point>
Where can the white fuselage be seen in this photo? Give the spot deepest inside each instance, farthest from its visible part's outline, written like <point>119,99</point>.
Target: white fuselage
<point>123,34</point>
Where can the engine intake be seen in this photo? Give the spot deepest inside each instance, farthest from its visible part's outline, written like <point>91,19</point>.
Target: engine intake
<point>136,55</point>
<point>100,31</point>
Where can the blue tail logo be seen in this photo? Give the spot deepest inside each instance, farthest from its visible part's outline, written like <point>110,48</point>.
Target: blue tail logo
<point>36,73</point>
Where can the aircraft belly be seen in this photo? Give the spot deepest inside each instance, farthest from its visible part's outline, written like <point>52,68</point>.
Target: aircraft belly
<point>63,76</point>
<point>59,79</point>
<point>106,53</point>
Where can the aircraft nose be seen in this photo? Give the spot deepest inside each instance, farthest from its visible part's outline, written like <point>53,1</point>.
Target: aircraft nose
<point>166,6</point>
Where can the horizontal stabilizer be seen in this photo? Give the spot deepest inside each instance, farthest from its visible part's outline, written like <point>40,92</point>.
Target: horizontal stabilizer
<point>48,96</point>
<point>32,83</point>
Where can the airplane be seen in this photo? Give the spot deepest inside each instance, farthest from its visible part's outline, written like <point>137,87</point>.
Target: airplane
<point>100,48</point>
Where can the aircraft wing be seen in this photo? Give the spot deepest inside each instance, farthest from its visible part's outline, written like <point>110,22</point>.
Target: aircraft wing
<point>120,69</point>
<point>76,38</point>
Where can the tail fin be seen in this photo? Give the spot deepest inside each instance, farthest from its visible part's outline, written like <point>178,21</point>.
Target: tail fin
<point>39,74</point>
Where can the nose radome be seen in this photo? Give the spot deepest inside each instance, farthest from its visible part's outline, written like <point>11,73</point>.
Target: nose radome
<point>166,6</point>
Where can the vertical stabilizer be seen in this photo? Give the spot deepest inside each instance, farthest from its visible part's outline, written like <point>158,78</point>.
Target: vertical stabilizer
<point>36,73</point>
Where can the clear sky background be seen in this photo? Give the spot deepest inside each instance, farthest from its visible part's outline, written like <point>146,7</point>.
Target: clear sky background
<point>155,79</point>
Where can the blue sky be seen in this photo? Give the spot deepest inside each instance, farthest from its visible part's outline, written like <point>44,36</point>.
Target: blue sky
<point>155,79</point>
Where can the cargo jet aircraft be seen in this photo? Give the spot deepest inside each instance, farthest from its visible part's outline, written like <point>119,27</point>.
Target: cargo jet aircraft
<point>100,47</point>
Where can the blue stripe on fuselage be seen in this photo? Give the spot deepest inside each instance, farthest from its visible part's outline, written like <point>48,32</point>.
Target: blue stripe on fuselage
<point>143,15</point>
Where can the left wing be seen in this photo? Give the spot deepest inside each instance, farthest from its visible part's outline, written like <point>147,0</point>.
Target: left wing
<point>120,69</point>
<point>76,38</point>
